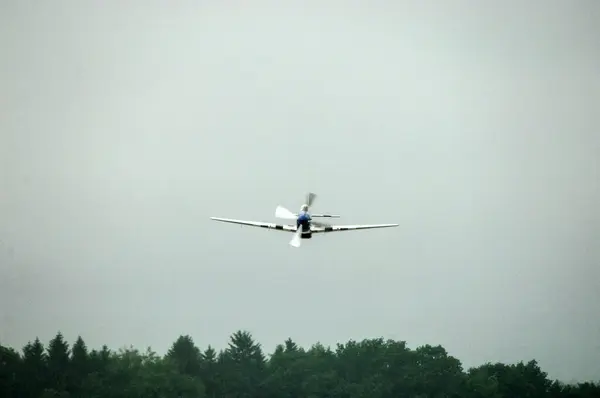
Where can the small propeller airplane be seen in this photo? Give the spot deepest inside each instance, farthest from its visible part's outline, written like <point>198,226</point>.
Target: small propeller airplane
<point>305,226</point>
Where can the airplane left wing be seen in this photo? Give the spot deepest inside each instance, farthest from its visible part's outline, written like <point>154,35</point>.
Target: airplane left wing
<point>336,228</point>
<point>268,225</point>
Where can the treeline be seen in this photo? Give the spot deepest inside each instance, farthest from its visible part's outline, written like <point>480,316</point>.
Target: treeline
<point>374,368</point>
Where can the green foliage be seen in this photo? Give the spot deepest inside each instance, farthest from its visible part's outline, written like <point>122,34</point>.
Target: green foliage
<point>374,368</point>
<point>185,356</point>
<point>58,363</point>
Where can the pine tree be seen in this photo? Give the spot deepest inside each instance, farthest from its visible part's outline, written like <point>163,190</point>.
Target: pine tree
<point>58,363</point>
<point>186,356</point>
<point>10,365</point>
<point>79,366</point>
<point>34,375</point>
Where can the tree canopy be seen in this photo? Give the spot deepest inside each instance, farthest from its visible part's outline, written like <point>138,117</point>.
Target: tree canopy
<point>374,368</point>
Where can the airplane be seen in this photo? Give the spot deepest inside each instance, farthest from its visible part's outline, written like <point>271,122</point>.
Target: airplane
<point>305,227</point>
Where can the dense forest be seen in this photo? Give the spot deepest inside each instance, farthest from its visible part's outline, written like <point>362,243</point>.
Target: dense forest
<point>373,368</point>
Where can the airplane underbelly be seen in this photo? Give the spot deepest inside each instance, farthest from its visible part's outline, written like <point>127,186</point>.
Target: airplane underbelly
<point>305,224</point>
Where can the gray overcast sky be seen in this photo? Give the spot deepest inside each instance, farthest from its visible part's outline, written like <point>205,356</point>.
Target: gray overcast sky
<point>475,125</point>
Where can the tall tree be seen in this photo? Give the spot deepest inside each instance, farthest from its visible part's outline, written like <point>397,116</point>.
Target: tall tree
<point>288,370</point>
<point>34,375</point>
<point>96,383</point>
<point>480,383</point>
<point>519,379</point>
<point>58,363</point>
<point>80,365</point>
<point>323,378</point>
<point>439,374</point>
<point>361,366</point>
<point>399,368</point>
<point>244,364</point>
<point>186,356</point>
<point>210,372</point>
<point>10,364</point>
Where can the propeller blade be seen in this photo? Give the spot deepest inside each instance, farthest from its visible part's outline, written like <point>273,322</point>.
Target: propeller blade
<point>310,198</point>
<point>296,239</point>
<point>282,212</point>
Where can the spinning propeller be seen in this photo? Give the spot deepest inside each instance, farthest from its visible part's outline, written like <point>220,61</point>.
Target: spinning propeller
<point>282,212</point>
<point>296,239</point>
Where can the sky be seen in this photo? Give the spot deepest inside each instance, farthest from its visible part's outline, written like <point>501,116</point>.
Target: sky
<point>125,125</point>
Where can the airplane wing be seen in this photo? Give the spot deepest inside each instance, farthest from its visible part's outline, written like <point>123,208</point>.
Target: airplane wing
<point>325,215</point>
<point>336,228</point>
<point>268,225</point>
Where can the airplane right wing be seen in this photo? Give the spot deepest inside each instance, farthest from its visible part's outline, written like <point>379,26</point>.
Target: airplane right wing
<point>336,228</point>
<point>325,215</point>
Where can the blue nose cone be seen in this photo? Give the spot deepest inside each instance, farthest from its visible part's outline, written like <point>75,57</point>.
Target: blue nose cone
<point>304,220</point>
<point>303,217</point>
